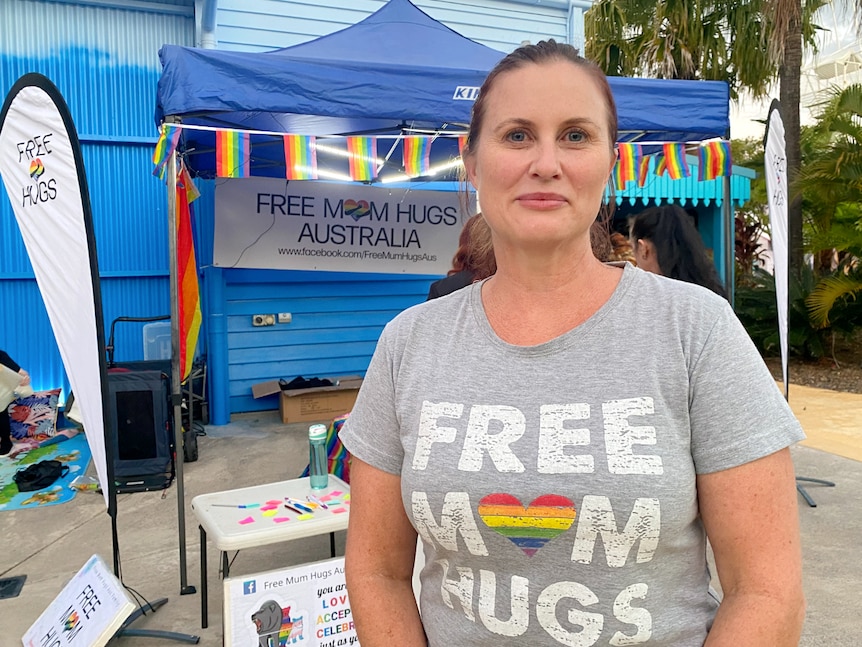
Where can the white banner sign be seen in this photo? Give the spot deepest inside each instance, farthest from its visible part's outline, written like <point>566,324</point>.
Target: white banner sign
<point>274,224</point>
<point>89,610</point>
<point>304,605</point>
<point>775,165</point>
<point>42,169</point>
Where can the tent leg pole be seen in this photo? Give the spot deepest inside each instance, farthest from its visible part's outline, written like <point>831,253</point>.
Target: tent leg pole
<point>176,394</point>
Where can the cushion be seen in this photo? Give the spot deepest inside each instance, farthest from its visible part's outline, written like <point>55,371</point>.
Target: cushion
<point>35,417</point>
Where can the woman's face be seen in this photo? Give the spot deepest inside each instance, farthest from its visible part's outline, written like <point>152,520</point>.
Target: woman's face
<point>544,155</point>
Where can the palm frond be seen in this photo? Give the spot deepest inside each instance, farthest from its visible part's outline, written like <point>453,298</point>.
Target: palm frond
<point>827,292</point>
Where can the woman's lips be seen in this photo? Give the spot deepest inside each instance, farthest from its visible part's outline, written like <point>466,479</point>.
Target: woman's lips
<point>541,200</point>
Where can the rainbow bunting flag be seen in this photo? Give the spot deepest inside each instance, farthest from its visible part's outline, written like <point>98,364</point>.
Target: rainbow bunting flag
<point>363,158</point>
<point>417,156</point>
<point>300,157</point>
<point>660,164</point>
<point>674,159</point>
<point>188,295</point>
<point>168,140</point>
<point>462,142</point>
<point>643,170</point>
<point>714,160</point>
<point>233,153</point>
<point>626,167</point>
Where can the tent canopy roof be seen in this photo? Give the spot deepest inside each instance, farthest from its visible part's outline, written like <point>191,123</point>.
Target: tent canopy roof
<point>399,68</point>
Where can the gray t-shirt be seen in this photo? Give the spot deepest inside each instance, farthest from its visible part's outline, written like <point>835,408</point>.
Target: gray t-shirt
<point>553,486</point>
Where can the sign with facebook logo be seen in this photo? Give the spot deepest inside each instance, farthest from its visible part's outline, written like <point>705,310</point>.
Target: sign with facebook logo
<point>249,587</point>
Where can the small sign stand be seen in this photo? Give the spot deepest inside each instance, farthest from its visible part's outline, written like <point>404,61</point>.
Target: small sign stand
<point>88,611</point>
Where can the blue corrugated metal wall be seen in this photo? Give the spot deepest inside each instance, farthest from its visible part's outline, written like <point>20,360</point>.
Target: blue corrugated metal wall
<point>104,60</point>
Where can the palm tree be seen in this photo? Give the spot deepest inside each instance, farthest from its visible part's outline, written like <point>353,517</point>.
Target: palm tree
<point>831,182</point>
<point>747,43</point>
<point>718,41</point>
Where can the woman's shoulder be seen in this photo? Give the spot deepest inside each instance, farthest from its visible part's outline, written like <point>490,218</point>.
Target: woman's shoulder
<point>660,297</point>
<point>432,314</point>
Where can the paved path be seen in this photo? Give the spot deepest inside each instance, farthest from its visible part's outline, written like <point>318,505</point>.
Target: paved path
<point>832,420</point>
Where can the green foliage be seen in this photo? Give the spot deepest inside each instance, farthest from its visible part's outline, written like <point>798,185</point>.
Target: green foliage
<point>833,302</point>
<point>718,40</point>
<point>755,305</point>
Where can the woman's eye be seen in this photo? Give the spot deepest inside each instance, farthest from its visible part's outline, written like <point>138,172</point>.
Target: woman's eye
<point>575,136</point>
<point>517,136</point>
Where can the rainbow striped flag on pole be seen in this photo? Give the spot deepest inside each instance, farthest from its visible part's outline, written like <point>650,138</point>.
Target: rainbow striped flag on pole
<point>417,155</point>
<point>188,294</point>
<point>363,158</point>
<point>168,140</point>
<point>627,165</point>
<point>674,159</point>
<point>233,154</point>
<point>300,157</point>
<point>714,160</point>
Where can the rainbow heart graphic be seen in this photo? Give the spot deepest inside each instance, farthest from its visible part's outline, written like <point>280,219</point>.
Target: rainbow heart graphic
<point>356,209</point>
<point>36,168</point>
<point>530,527</point>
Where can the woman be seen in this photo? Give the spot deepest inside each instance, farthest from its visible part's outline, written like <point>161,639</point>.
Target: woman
<point>666,242</point>
<point>563,498</point>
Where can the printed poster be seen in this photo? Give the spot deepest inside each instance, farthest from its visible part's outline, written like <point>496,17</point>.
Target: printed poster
<point>87,612</point>
<point>265,223</point>
<point>306,606</point>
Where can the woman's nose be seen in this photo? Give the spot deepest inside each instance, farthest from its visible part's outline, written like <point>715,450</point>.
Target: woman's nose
<point>546,162</point>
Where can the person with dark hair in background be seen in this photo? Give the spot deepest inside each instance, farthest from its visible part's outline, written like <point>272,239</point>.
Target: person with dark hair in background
<point>473,260</point>
<point>561,497</point>
<point>665,241</point>
<point>5,422</point>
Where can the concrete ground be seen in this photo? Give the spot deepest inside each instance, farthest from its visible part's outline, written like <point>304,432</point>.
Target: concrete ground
<point>49,545</point>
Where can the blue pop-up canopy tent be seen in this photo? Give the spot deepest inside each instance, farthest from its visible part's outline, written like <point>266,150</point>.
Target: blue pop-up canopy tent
<point>398,69</point>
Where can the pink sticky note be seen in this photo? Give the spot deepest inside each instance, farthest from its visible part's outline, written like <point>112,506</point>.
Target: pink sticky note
<point>335,493</point>
<point>303,517</point>
<point>326,498</point>
<point>339,510</point>
<point>274,502</point>
<point>268,507</point>
<point>246,520</point>
<point>280,519</point>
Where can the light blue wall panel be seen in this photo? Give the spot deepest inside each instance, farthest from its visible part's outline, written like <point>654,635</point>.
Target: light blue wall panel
<point>270,24</point>
<point>336,321</point>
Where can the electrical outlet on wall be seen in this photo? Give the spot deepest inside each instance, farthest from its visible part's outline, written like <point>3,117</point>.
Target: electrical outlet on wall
<point>263,320</point>
<point>285,317</point>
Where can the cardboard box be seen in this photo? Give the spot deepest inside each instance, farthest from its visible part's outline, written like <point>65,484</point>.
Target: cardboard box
<point>314,404</point>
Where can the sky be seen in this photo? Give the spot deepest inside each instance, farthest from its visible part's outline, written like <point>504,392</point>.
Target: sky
<point>838,36</point>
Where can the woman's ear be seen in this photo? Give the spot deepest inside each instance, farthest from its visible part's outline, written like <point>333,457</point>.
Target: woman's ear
<point>470,169</point>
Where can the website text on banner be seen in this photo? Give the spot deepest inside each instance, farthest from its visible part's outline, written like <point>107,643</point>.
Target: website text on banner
<point>266,223</point>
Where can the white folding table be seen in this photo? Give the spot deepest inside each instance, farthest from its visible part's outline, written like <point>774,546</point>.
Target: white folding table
<point>257,516</point>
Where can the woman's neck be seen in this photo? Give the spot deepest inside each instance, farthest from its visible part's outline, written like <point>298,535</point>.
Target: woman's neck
<point>528,305</point>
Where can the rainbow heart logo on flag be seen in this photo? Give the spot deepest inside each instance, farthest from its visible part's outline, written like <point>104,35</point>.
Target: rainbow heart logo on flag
<point>356,209</point>
<point>528,527</point>
<point>36,168</point>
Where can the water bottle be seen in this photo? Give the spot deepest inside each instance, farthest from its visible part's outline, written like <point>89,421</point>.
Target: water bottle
<point>318,465</point>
